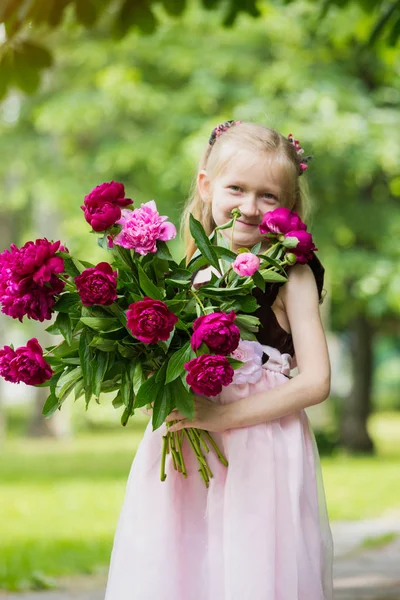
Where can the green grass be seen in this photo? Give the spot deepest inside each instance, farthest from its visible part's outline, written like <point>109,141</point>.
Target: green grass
<point>366,486</point>
<point>60,501</point>
<point>379,541</point>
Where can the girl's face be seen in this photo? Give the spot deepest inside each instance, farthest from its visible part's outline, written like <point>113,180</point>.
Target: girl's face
<point>246,183</point>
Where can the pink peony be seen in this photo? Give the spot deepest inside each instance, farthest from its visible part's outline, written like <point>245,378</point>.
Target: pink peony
<point>28,365</point>
<point>7,354</point>
<point>305,247</point>
<point>250,353</point>
<point>150,321</point>
<point>29,279</point>
<point>102,206</point>
<point>97,285</point>
<point>142,227</point>
<point>281,220</point>
<point>217,331</point>
<point>246,264</point>
<point>207,374</point>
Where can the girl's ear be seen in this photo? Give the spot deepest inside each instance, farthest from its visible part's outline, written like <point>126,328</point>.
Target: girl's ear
<point>204,186</point>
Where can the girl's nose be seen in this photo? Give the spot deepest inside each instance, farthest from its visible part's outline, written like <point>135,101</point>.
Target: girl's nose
<point>249,206</point>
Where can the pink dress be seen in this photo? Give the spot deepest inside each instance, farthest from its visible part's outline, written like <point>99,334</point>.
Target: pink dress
<point>259,532</point>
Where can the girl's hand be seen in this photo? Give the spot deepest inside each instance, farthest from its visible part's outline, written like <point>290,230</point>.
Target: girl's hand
<point>207,415</point>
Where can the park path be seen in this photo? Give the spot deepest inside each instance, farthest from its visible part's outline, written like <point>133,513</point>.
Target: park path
<point>360,573</point>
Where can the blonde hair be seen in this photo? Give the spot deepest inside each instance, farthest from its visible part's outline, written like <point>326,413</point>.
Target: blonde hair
<point>260,140</point>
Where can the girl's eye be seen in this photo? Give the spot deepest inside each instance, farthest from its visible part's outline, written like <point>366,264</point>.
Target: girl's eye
<point>235,188</point>
<point>271,197</point>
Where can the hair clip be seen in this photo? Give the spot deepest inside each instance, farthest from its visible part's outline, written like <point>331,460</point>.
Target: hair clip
<point>219,129</point>
<point>299,151</point>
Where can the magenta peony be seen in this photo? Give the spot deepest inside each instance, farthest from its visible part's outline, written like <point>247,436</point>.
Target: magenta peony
<point>142,227</point>
<point>246,264</point>
<point>150,321</point>
<point>250,353</point>
<point>102,206</point>
<point>97,285</point>
<point>29,279</point>
<point>7,354</point>
<point>281,220</point>
<point>103,216</point>
<point>305,247</point>
<point>26,364</point>
<point>218,331</point>
<point>207,374</point>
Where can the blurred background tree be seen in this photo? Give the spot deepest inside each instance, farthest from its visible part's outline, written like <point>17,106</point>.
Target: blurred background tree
<point>94,90</point>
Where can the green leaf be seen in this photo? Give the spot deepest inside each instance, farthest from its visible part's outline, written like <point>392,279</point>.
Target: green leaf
<point>271,261</point>
<point>53,329</point>
<point>69,266</point>
<point>79,265</point>
<point>178,359</point>
<point>148,287</point>
<point>138,377</point>
<point>202,242</point>
<point>184,398</point>
<point>247,323</point>
<point>184,382</point>
<point>248,304</point>
<point>214,292</point>
<point>79,389</point>
<point>256,249</point>
<point>126,388</point>
<point>128,412</point>
<point>148,391</point>
<point>272,276</point>
<point>163,405</point>
<point>235,364</point>
<point>101,366</point>
<point>102,324</point>
<point>50,406</point>
<point>118,401</point>
<point>225,254</point>
<point>67,302</point>
<point>163,251</point>
<point>103,344</point>
<point>127,351</point>
<point>64,324</point>
<point>258,280</point>
<point>67,382</point>
<point>178,283</point>
<point>166,344</point>
<point>86,354</point>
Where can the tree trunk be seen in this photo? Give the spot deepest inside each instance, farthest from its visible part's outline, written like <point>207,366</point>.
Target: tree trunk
<point>357,407</point>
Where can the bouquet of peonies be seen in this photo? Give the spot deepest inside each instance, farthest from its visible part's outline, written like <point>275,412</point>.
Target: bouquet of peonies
<point>135,324</point>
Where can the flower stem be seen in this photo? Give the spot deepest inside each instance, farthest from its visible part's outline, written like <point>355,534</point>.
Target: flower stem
<point>60,344</point>
<point>198,301</point>
<point>180,453</point>
<point>233,228</point>
<point>217,450</point>
<point>198,433</point>
<point>163,475</point>
<point>202,468</point>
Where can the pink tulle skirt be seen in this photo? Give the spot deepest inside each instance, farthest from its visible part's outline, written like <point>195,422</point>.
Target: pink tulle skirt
<point>259,532</point>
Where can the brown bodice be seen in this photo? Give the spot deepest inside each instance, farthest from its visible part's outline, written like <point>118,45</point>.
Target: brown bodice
<point>270,332</point>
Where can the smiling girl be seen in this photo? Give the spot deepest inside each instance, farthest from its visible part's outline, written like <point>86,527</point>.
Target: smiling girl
<point>260,531</point>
